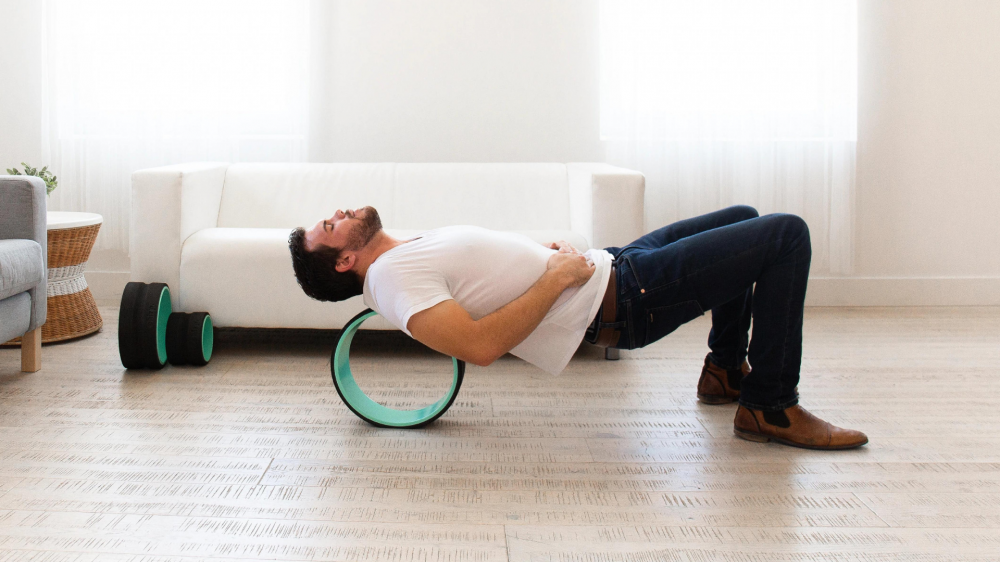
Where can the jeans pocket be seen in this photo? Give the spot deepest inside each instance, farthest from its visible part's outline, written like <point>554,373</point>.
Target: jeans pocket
<point>626,278</point>
<point>662,320</point>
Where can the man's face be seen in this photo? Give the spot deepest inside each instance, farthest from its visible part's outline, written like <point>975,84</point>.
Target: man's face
<point>346,230</point>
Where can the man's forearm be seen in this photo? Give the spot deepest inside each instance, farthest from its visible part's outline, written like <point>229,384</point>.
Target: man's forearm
<point>506,327</point>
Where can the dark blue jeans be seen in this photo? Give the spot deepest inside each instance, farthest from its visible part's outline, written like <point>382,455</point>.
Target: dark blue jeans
<point>738,265</point>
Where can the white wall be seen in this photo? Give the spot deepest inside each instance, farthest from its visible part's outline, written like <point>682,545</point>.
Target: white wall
<point>929,151</point>
<point>517,80</point>
<point>461,81</point>
<point>928,184</point>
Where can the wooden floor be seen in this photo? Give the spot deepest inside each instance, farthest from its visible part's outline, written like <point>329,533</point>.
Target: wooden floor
<point>254,457</point>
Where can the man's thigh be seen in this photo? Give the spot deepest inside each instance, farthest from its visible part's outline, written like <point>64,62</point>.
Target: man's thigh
<point>676,283</point>
<point>694,225</point>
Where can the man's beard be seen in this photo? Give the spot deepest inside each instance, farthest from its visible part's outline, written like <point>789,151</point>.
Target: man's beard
<point>362,234</point>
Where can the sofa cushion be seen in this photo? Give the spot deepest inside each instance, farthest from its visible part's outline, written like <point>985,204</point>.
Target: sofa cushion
<point>243,277</point>
<point>497,196</point>
<point>290,195</point>
<point>21,266</point>
<point>407,196</point>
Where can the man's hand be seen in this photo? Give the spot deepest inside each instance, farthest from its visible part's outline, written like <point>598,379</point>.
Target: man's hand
<point>575,268</point>
<point>563,246</point>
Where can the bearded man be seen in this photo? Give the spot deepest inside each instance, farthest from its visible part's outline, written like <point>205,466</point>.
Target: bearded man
<point>477,294</point>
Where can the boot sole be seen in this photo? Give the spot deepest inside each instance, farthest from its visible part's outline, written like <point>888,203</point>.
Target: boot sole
<point>716,399</point>
<point>761,438</point>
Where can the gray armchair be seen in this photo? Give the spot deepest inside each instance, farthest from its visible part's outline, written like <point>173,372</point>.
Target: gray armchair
<point>23,272</point>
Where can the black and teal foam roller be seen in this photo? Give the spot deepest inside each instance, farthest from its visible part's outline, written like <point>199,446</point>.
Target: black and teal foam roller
<point>190,338</point>
<point>142,325</point>
<point>150,334</point>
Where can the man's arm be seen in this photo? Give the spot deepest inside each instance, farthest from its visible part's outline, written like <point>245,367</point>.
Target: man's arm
<point>448,328</point>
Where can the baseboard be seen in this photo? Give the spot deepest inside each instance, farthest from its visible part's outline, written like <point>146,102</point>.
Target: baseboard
<point>823,291</point>
<point>107,285</point>
<point>903,291</point>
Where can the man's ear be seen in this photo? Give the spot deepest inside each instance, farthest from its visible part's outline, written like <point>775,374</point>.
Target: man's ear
<point>345,262</point>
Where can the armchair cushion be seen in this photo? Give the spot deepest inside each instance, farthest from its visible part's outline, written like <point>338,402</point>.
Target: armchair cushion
<point>21,266</point>
<point>15,314</point>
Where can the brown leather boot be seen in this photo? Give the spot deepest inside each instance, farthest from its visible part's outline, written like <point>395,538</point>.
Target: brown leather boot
<point>796,427</point>
<point>718,385</point>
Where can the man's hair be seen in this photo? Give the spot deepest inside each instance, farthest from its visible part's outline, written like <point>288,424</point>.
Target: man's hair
<point>316,271</point>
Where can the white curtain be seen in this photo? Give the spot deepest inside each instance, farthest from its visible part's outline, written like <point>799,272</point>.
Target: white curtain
<point>720,102</point>
<point>130,85</point>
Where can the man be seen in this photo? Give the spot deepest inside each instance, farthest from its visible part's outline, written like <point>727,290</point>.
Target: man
<point>477,294</point>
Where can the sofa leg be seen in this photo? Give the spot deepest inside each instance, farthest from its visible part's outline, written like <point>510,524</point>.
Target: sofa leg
<point>612,353</point>
<point>31,350</point>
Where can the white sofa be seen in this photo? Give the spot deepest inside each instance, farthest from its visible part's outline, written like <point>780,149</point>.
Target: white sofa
<point>217,233</point>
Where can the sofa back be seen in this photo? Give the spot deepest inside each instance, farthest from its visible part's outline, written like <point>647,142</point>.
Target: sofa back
<point>407,196</point>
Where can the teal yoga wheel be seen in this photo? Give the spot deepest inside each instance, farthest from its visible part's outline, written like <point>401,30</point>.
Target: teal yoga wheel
<point>370,410</point>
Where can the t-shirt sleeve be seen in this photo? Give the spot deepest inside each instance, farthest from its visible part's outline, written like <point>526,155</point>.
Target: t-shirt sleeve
<point>397,295</point>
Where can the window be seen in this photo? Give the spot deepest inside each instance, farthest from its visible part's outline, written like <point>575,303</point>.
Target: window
<point>729,69</point>
<point>721,102</point>
<point>131,85</point>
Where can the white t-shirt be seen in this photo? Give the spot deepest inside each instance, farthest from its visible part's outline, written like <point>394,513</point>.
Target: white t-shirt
<point>482,270</point>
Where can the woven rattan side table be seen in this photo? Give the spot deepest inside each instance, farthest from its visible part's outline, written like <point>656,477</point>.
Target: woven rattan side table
<point>72,311</point>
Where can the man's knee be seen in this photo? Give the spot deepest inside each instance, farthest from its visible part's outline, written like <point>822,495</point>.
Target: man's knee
<point>794,227</point>
<point>744,212</point>
<point>794,223</point>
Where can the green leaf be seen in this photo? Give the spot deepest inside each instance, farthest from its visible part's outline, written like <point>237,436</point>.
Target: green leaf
<point>51,181</point>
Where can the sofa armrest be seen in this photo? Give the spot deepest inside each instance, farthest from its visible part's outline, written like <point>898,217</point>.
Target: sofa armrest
<point>168,205</point>
<point>22,215</point>
<point>606,203</point>
<point>22,208</point>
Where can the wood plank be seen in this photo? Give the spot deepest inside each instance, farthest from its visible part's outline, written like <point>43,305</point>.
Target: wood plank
<point>607,544</point>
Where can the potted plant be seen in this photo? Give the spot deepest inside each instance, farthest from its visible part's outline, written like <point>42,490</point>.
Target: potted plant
<point>51,182</point>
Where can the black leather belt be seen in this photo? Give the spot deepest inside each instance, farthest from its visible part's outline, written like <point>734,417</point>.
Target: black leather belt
<point>607,337</point>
